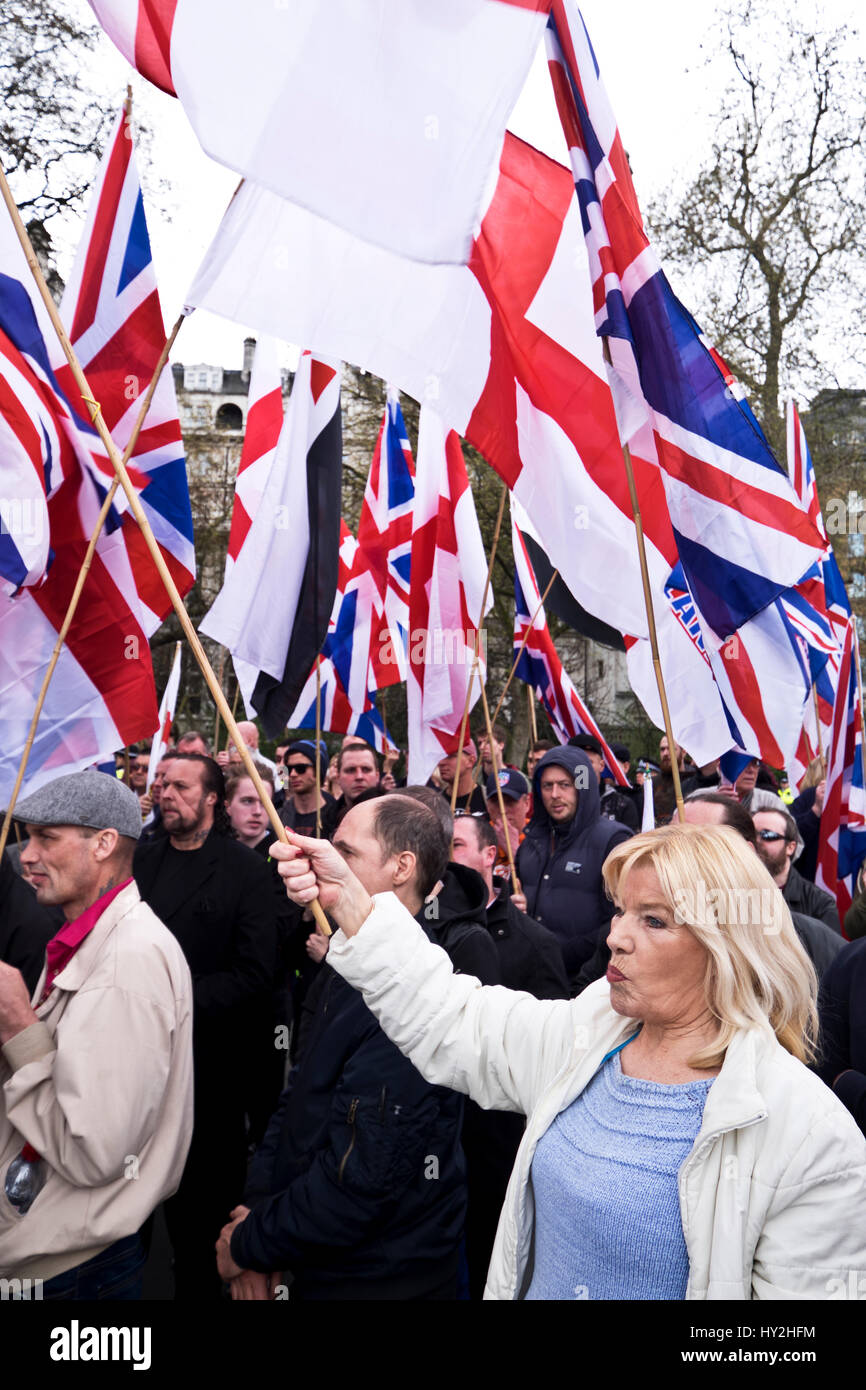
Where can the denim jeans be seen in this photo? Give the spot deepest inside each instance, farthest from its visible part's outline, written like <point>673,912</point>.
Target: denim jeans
<point>117,1273</point>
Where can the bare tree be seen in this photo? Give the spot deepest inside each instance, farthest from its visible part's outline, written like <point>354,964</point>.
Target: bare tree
<point>771,230</point>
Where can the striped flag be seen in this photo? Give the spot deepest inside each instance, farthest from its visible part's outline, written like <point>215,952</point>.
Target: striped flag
<point>111,310</point>
<point>842,829</point>
<point>449,572</point>
<point>426,89</point>
<point>167,711</point>
<point>385,545</point>
<point>741,534</point>
<point>273,609</point>
<point>539,664</point>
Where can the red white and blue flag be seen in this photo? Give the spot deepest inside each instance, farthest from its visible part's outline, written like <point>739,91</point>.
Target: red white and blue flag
<point>385,543</point>
<point>449,573</point>
<point>337,713</point>
<point>741,534</point>
<point>539,664</point>
<point>112,313</point>
<point>102,695</point>
<point>385,84</point>
<point>842,830</point>
<point>273,609</point>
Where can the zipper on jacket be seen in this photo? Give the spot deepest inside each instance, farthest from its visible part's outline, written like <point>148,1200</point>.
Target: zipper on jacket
<point>350,1121</point>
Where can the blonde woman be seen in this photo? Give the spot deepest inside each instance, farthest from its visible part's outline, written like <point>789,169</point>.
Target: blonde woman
<point>676,1145</point>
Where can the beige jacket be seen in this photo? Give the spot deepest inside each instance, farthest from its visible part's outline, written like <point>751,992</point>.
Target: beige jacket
<point>773,1193</point>
<point>101,1087</point>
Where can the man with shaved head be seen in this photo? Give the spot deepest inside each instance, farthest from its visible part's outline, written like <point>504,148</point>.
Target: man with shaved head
<point>358,1189</point>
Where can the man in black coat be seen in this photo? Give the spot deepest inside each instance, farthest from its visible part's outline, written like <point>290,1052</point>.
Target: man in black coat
<point>777,845</point>
<point>842,1011</point>
<point>559,862</point>
<point>25,926</point>
<point>358,1190</point>
<point>217,897</point>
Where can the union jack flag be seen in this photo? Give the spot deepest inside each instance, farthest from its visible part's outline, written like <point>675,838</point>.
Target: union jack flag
<point>539,664</point>
<point>842,831</point>
<point>112,312</point>
<point>741,534</point>
<point>385,542</point>
<point>337,712</point>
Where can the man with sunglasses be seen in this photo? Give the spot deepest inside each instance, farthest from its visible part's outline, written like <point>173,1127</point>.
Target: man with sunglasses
<point>777,846</point>
<point>301,804</point>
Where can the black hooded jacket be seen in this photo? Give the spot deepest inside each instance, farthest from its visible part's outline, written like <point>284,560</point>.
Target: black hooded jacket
<point>559,865</point>
<point>455,919</point>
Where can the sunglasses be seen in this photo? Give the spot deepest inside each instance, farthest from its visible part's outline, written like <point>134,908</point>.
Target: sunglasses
<point>768,836</point>
<point>299,768</point>
<point>480,814</point>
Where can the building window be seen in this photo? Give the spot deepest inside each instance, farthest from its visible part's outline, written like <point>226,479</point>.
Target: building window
<point>229,417</point>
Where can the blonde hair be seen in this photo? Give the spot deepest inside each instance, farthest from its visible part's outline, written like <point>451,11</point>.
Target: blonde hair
<point>757,973</point>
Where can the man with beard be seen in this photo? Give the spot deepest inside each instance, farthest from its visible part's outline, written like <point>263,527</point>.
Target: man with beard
<point>217,897</point>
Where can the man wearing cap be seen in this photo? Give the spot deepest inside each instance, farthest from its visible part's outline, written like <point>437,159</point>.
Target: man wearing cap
<point>299,809</point>
<point>515,799</point>
<point>96,1071</point>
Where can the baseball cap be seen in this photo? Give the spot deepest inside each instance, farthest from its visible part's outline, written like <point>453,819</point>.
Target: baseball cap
<point>512,782</point>
<point>91,799</point>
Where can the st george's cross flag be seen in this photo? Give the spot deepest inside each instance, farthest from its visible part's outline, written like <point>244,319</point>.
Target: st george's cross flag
<point>538,662</point>
<point>112,312</point>
<point>405,85</point>
<point>449,573</point>
<point>741,535</point>
<point>261,436</point>
<point>273,609</point>
<point>385,545</point>
<point>167,712</point>
<point>102,695</point>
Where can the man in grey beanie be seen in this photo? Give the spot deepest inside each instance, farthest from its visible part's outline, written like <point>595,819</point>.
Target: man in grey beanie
<point>96,1069</point>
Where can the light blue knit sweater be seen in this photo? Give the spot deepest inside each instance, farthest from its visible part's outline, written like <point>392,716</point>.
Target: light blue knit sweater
<point>604,1176</point>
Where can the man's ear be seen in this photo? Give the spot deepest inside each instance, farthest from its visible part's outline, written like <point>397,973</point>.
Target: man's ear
<point>490,853</point>
<point>404,867</point>
<point>105,844</point>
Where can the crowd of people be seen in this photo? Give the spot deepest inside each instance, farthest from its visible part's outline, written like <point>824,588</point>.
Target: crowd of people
<point>543,1053</point>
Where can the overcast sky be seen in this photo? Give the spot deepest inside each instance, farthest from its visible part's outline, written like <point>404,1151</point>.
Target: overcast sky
<point>652,62</point>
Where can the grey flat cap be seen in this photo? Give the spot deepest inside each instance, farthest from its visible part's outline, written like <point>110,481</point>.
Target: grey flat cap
<point>92,799</point>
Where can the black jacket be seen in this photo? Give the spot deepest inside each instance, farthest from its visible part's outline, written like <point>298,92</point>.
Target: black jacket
<point>224,914</point>
<point>359,1186</point>
<point>26,926</point>
<point>809,826</point>
<point>530,957</point>
<point>619,804</point>
<point>455,920</point>
<point>559,867</point>
<point>842,1010</point>
<point>807,898</point>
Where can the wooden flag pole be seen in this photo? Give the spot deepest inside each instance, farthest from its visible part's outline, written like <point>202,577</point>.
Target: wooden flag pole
<point>516,661</point>
<point>147,534</point>
<point>475,654</point>
<point>818,726</point>
<point>499,797</point>
<point>216,726</point>
<point>79,586</point>
<point>533,727</point>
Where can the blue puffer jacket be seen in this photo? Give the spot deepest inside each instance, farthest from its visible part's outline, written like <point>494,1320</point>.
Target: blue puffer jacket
<point>559,866</point>
<point>359,1186</point>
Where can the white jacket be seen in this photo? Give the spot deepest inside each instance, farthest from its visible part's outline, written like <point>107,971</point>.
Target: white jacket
<point>101,1086</point>
<point>773,1193</point>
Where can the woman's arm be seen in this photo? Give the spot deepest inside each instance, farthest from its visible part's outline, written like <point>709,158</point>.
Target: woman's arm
<point>495,1045</point>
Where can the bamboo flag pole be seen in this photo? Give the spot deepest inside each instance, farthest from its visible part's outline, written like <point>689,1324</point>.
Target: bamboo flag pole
<point>523,643</point>
<point>79,586</point>
<point>533,727</point>
<point>146,531</point>
<point>475,654</point>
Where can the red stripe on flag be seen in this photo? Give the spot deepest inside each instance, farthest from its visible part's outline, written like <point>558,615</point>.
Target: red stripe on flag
<point>153,42</point>
<point>100,240</point>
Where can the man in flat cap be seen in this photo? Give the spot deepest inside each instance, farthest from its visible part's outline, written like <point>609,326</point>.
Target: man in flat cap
<point>96,1070</point>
